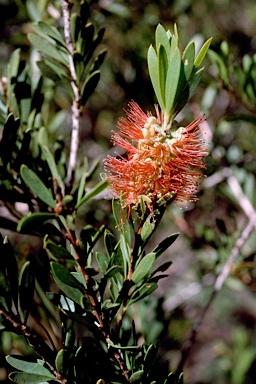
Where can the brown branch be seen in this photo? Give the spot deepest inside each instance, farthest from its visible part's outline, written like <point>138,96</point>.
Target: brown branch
<point>96,308</point>
<point>36,342</point>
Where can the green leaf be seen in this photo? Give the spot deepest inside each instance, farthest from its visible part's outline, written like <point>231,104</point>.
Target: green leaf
<point>26,289</point>
<point>47,48</point>
<point>153,73</point>
<point>26,378</point>
<point>172,80</point>
<point>49,30</point>
<point>112,271</point>
<point>25,366</point>
<point>52,165</point>
<point>162,39</point>
<point>147,229</point>
<point>62,361</point>
<point>36,185</point>
<point>58,251</point>
<point>162,70</point>
<point>75,26</point>
<point>13,66</point>
<point>102,261</point>
<point>94,192</point>
<point>145,290</point>
<point>48,71</point>
<point>143,268</point>
<point>38,223</point>
<point>79,65</point>
<point>161,247</point>
<point>162,268</point>
<point>53,71</point>
<point>98,61</point>
<point>136,376</point>
<point>67,283</point>
<point>188,58</point>
<point>201,55</point>
<point>89,86</point>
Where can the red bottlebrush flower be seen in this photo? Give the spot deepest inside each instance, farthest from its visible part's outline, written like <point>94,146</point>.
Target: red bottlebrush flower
<point>157,162</point>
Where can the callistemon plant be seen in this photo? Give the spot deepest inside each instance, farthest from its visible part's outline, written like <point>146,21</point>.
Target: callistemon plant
<point>97,290</point>
<point>161,157</point>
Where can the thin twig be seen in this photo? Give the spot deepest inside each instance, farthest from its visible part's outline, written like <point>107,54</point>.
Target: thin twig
<point>96,307</point>
<point>75,109</point>
<point>36,342</point>
<point>217,287</point>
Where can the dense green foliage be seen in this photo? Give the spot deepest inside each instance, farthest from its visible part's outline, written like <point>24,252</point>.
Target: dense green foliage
<point>66,294</point>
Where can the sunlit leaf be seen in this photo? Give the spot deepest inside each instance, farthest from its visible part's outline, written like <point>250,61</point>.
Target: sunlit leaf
<point>188,58</point>
<point>94,192</point>
<point>201,55</point>
<point>143,268</point>
<point>67,283</point>
<point>47,48</point>
<point>153,72</point>
<point>172,80</point>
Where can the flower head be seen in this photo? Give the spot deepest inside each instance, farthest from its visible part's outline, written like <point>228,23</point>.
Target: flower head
<point>158,162</point>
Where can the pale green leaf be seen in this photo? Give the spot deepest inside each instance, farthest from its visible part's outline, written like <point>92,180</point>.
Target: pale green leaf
<point>172,80</point>
<point>143,267</point>
<point>153,73</point>
<point>202,52</point>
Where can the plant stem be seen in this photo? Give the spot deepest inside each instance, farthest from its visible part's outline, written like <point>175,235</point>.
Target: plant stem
<point>36,342</point>
<point>76,104</point>
<point>96,307</point>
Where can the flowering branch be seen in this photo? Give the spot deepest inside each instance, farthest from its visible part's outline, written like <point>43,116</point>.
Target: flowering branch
<point>76,113</point>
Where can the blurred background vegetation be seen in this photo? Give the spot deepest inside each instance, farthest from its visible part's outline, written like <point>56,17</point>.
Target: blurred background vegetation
<point>225,351</point>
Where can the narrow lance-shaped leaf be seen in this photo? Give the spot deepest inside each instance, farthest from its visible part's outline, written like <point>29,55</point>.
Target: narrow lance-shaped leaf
<point>45,29</point>
<point>67,283</point>
<point>153,73</point>
<point>143,268</point>
<point>94,192</point>
<point>161,247</point>
<point>136,376</point>
<point>202,52</point>
<point>37,222</point>
<point>162,71</point>
<point>48,49</point>
<point>89,86</point>
<point>75,26</point>
<point>188,58</point>
<point>172,80</point>
<point>52,165</point>
<point>36,185</point>
<point>28,367</point>
<point>162,39</point>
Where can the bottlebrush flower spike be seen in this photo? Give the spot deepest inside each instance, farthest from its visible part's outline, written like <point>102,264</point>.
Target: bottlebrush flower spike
<point>157,162</point>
